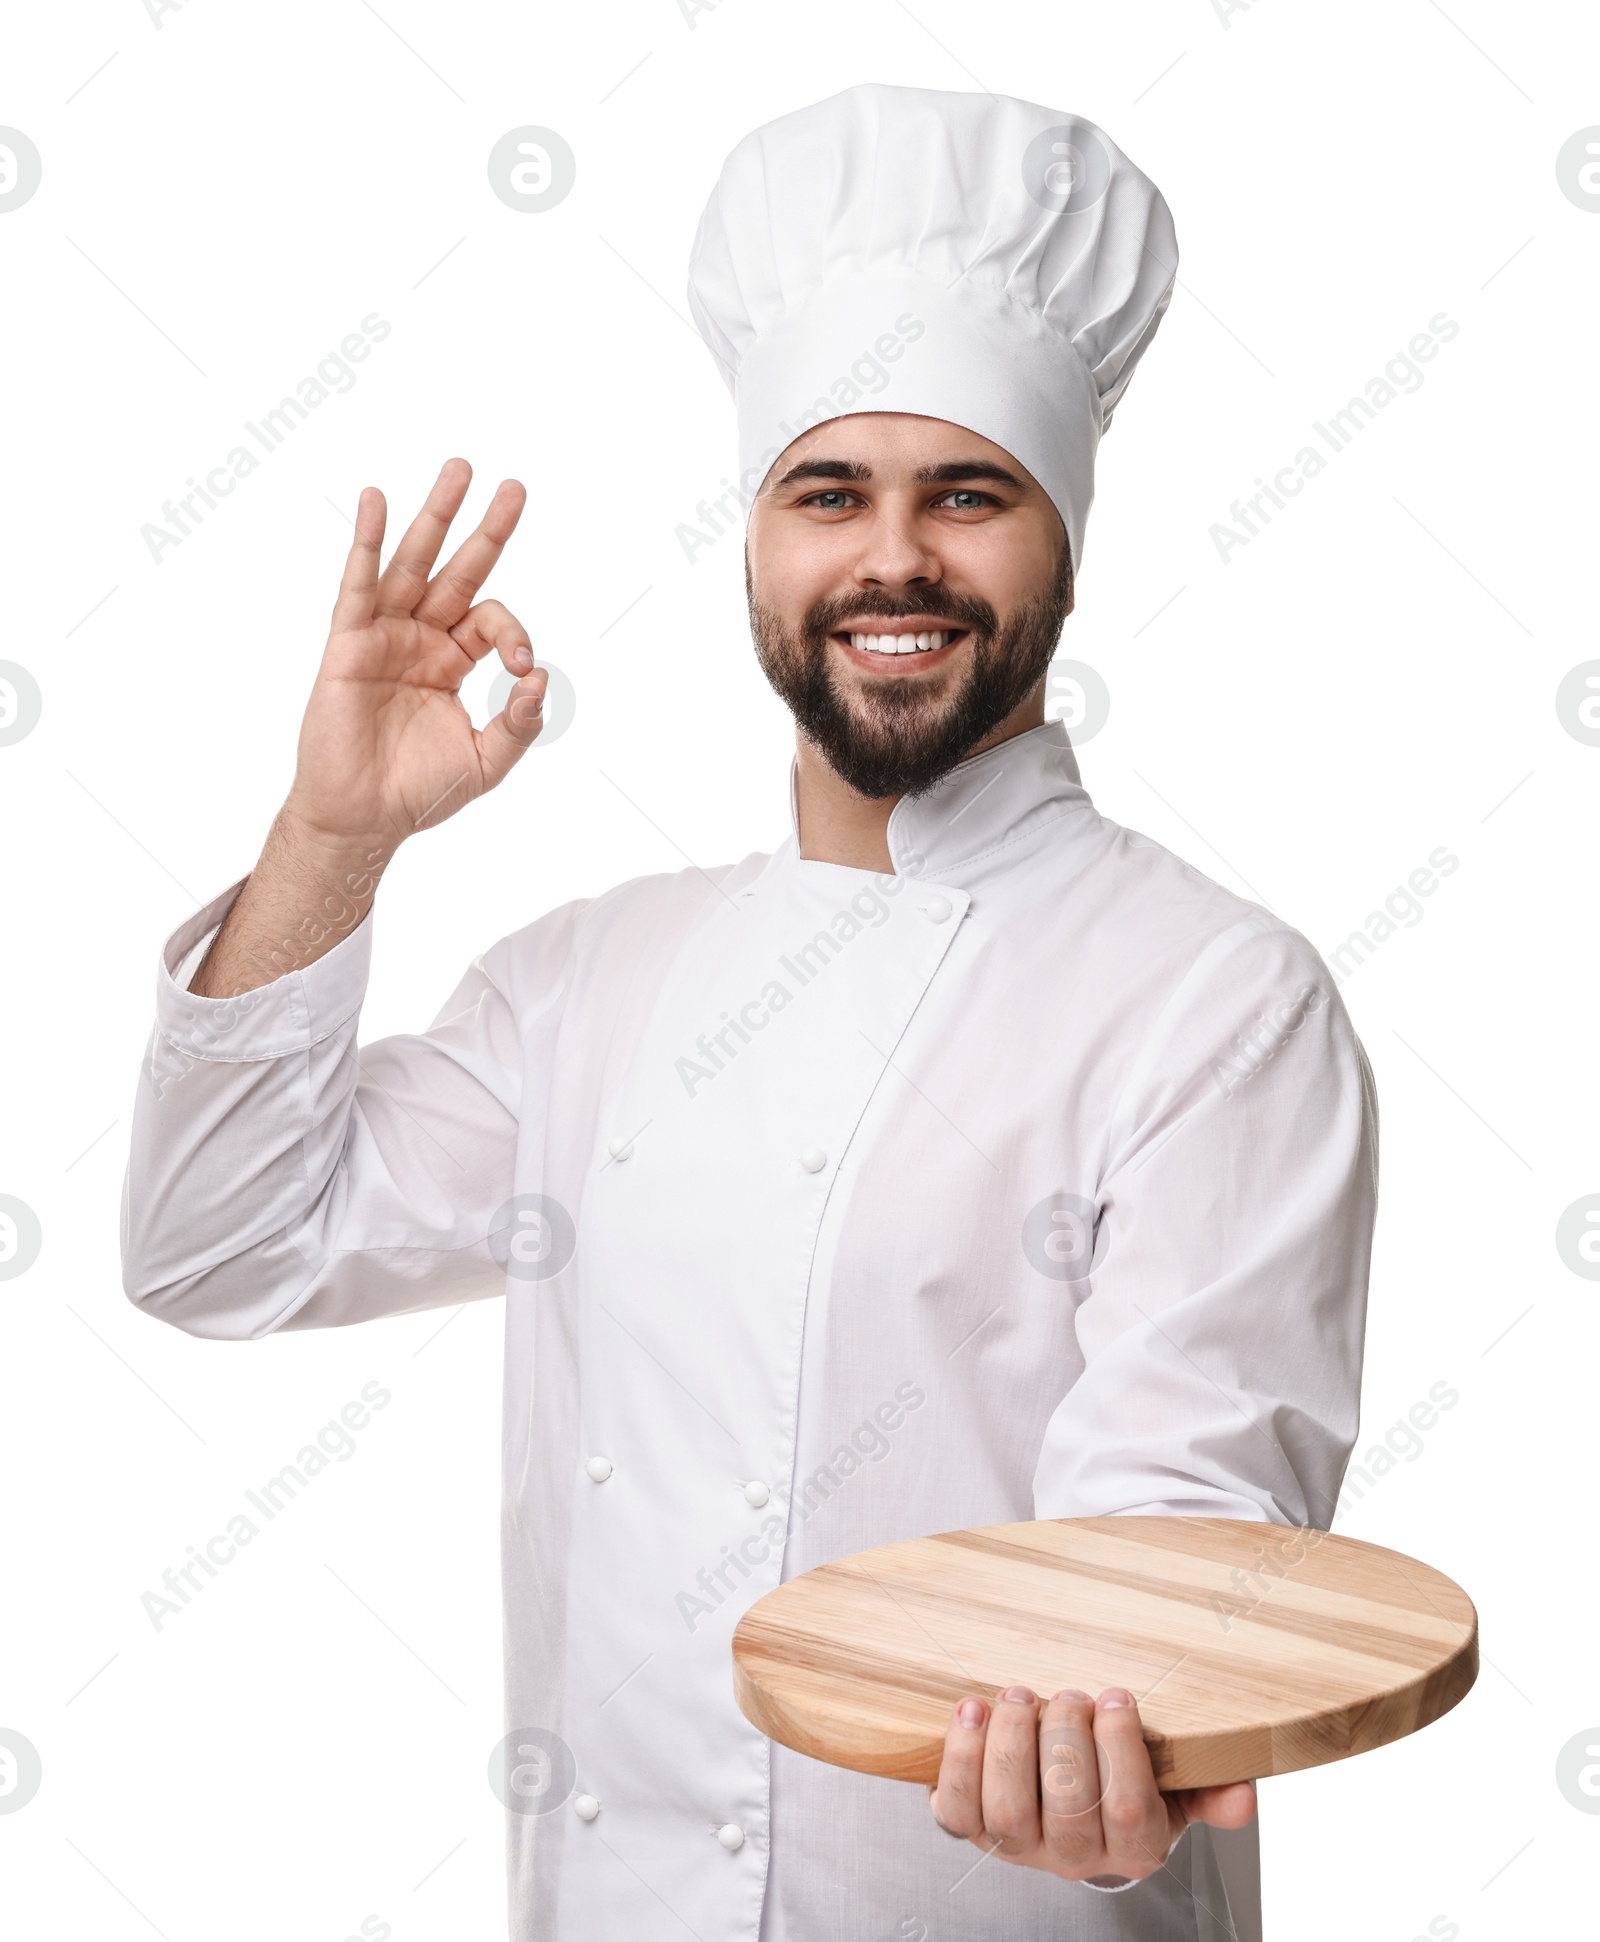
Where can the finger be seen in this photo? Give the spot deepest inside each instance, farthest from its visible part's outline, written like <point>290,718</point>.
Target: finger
<point>1231,1806</point>
<point>957,1800</point>
<point>1134,1827</point>
<point>352,609</point>
<point>505,740</point>
<point>455,586</point>
<point>1069,1784</point>
<point>405,578</point>
<point>1011,1772</point>
<point>491,628</point>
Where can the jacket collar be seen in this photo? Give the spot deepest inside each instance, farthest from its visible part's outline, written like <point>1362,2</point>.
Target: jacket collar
<point>983,804</point>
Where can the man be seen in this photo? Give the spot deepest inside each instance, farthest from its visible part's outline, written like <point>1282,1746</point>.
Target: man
<point>967,1159</point>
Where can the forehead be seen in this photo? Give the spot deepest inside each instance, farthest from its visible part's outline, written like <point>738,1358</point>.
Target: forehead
<point>891,446</point>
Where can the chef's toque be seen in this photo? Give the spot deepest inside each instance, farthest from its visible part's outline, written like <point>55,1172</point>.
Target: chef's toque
<point>959,256</point>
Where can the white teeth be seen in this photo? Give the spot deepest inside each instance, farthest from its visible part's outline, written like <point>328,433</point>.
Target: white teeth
<point>900,643</point>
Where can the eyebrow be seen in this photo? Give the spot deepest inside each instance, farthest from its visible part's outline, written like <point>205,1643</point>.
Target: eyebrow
<point>955,470</point>
<point>850,470</point>
<point>853,472</point>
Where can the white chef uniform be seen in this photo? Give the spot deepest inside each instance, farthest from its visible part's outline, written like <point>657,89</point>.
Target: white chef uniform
<point>829,1208</point>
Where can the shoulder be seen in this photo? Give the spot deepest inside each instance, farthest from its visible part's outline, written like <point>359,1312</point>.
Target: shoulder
<point>1184,924</point>
<point>1196,968</point>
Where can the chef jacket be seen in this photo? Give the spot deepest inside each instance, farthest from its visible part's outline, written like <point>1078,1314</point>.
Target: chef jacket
<point>1035,1178</point>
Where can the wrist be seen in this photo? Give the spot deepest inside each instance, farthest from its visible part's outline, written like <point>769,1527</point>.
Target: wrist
<point>351,862</point>
<point>309,891</point>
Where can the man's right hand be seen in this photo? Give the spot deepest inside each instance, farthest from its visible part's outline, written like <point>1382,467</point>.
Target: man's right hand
<point>386,746</point>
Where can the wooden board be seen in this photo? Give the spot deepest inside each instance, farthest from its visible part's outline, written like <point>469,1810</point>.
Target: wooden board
<point>1252,1649</point>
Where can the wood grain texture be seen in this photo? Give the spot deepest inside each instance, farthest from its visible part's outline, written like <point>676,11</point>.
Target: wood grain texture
<point>1252,1649</point>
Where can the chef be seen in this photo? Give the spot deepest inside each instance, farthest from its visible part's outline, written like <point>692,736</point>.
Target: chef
<point>968,1158</point>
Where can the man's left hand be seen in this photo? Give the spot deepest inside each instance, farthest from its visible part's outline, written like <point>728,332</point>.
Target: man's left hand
<point>1068,1787</point>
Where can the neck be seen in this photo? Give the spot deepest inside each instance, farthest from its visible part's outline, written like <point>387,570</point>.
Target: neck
<point>839,826</point>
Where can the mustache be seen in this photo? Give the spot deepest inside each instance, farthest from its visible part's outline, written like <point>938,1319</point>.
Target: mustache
<point>828,616</point>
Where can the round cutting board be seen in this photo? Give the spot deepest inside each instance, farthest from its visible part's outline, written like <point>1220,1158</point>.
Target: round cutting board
<point>1252,1649</point>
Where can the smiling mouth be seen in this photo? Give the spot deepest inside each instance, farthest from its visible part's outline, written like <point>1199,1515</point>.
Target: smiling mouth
<point>909,647</point>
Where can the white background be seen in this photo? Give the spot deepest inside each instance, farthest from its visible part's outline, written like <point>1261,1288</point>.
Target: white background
<point>227,192</point>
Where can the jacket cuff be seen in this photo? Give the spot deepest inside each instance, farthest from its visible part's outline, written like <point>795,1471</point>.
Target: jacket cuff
<point>291,1014</point>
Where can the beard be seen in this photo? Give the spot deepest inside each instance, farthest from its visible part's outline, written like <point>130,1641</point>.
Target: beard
<point>898,737</point>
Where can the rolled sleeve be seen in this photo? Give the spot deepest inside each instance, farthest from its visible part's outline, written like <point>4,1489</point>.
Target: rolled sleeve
<point>291,1014</point>
<point>281,1176</point>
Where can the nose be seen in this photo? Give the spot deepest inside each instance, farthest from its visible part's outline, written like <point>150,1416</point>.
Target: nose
<point>894,555</point>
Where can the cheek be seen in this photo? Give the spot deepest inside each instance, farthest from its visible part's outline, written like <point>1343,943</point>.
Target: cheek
<point>1005,564</point>
<point>791,570</point>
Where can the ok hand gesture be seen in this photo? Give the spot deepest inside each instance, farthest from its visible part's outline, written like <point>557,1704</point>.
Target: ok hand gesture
<point>386,747</point>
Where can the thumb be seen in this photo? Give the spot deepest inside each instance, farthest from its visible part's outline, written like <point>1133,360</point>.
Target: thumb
<point>503,742</point>
<point>1232,1805</point>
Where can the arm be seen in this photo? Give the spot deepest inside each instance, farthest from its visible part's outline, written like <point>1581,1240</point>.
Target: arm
<point>1222,1329</point>
<point>277,1177</point>
<point>1222,1335</point>
<point>280,1176</point>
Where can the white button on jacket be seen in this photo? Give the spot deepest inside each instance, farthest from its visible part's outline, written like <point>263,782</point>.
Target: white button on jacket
<point>1088,1234</point>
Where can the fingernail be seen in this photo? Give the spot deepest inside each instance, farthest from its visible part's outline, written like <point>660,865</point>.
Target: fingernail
<point>1071,1692</point>
<point>970,1712</point>
<point>1022,1694</point>
<point>1115,1696</point>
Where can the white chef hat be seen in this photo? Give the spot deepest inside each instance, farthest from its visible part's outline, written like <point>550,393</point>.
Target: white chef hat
<point>959,256</point>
